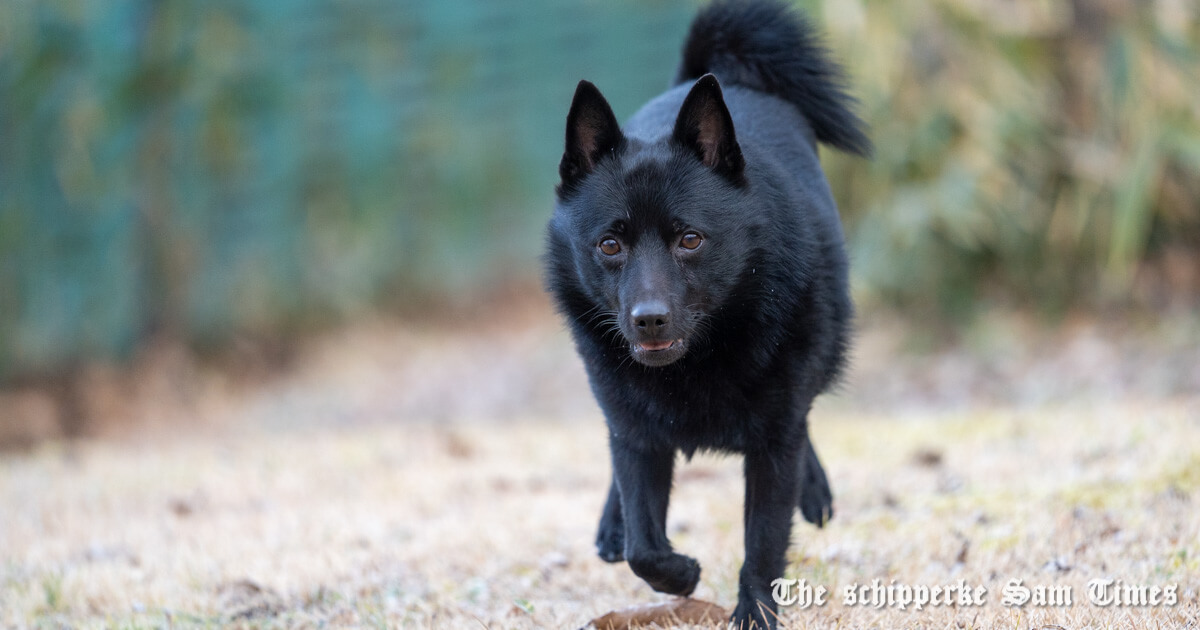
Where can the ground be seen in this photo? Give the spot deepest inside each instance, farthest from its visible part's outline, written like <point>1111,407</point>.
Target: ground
<point>342,495</point>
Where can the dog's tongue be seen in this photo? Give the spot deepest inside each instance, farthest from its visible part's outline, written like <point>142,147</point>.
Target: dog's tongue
<point>656,345</point>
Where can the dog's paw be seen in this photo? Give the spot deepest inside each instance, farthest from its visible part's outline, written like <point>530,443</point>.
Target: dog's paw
<point>752,614</point>
<point>672,573</point>
<point>610,542</point>
<point>816,503</point>
<point>816,499</point>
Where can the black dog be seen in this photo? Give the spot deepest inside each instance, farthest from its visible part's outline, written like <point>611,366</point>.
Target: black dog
<point>698,257</point>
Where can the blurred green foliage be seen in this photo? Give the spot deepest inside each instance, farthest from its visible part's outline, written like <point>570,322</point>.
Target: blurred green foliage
<point>1041,153</point>
<point>208,169</point>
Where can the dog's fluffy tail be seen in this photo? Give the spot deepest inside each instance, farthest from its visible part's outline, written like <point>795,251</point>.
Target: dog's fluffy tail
<point>766,46</point>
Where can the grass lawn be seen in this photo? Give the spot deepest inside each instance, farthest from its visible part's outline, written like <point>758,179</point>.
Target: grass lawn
<point>489,524</point>
<point>365,486</point>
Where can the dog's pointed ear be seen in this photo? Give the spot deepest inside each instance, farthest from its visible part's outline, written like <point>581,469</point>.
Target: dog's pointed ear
<point>592,133</point>
<point>705,127</point>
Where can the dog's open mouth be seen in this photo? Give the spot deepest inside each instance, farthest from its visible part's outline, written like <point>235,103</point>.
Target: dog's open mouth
<point>658,353</point>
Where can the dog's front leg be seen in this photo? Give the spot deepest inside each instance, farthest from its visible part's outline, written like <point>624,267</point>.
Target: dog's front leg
<point>644,479</point>
<point>772,490</point>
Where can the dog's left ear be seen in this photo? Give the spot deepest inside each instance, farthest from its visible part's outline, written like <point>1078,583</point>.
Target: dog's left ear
<point>705,127</point>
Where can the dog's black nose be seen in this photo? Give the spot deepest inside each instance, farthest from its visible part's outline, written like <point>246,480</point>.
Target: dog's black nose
<point>651,317</point>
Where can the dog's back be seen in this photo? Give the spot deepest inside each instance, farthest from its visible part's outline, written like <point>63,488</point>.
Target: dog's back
<point>767,47</point>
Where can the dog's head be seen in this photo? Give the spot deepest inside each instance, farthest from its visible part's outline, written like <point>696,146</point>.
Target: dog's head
<point>655,237</point>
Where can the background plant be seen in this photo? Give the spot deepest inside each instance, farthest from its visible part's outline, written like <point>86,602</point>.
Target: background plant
<point>1041,153</point>
<point>203,171</point>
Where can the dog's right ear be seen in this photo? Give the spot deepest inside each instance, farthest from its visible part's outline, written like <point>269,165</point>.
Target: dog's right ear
<point>592,133</point>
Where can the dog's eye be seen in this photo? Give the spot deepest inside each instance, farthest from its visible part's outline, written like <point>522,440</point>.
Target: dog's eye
<point>691,240</point>
<point>610,247</point>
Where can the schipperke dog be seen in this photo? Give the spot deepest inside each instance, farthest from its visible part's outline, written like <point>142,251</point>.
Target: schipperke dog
<point>698,258</point>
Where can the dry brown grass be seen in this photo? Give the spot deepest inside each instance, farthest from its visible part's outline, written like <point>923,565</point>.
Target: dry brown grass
<point>490,524</point>
<point>367,487</point>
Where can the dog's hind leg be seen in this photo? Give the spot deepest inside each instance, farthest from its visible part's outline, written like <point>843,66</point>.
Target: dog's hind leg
<point>610,539</point>
<point>816,499</point>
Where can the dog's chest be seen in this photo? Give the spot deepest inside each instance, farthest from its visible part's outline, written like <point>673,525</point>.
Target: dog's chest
<point>706,411</point>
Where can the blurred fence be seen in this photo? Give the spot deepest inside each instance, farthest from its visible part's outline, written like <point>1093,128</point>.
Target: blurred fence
<point>205,169</point>
<point>210,168</point>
